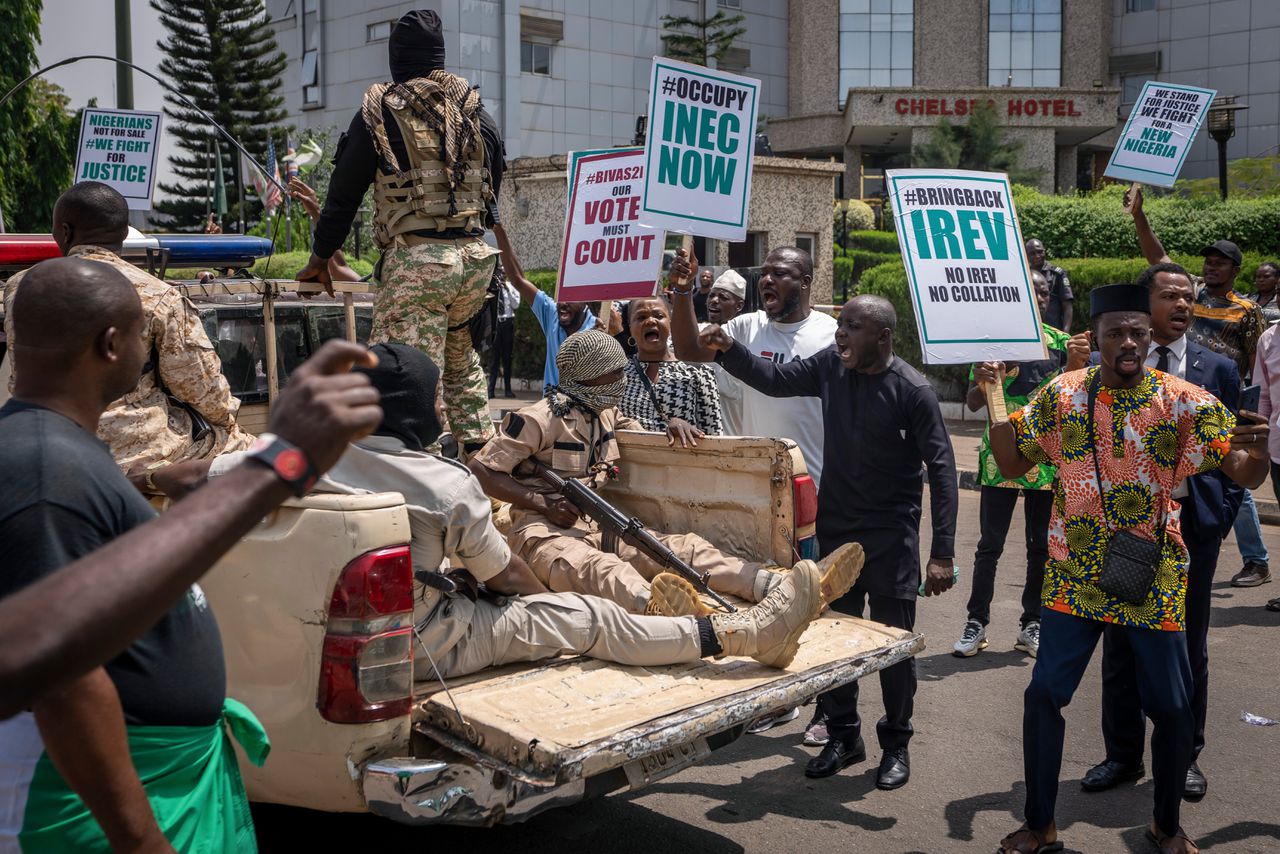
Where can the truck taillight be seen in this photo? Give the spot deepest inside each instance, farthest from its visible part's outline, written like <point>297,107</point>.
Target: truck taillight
<point>804,498</point>
<point>366,672</point>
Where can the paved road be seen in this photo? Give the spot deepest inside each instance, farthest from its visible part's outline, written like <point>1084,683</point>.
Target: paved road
<point>966,760</point>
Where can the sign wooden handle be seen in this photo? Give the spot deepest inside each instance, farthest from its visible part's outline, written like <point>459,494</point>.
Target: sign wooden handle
<point>606,312</point>
<point>687,246</point>
<point>997,410</point>
<point>1133,190</point>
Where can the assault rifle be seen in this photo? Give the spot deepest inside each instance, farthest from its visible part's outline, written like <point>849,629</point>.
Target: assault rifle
<point>631,530</point>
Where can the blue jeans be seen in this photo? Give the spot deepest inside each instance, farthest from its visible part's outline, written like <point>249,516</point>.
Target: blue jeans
<point>1249,532</point>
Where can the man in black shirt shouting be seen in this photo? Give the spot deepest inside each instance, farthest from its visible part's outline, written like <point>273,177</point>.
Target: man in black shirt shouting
<point>884,417</point>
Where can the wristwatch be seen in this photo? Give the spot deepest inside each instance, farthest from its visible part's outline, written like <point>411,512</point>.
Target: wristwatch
<point>288,462</point>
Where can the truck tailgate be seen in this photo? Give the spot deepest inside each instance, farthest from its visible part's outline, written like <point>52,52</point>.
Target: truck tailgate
<point>577,717</point>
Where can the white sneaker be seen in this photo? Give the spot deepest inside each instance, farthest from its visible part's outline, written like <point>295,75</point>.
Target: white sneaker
<point>1029,638</point>
<point>768,722</point>
<point>972,641</point>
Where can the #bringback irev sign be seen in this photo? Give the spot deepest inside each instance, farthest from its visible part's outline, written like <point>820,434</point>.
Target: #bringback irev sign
<point>968,274</point>
<point>702,127</point>
<point>608,253</point>
<point>1159,133</point>
<point>119,148</point>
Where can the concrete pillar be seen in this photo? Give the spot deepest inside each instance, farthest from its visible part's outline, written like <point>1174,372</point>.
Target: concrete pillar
<point>852,168</point>
<point>1066,169</point>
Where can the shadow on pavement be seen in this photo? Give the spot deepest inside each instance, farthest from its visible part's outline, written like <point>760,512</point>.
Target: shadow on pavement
<point>1243,615</point>
<point>610,824</point>
<point>784,790</point>
<point>932,668</point>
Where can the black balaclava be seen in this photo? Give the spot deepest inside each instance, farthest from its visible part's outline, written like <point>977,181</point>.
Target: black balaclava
<point>416,46</point>
<point>407,379</point>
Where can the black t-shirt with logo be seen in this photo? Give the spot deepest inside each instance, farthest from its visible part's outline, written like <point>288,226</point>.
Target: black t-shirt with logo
<point>63,497</point>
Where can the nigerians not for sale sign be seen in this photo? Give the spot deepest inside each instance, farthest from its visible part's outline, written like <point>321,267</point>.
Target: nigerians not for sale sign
<point>968,274</point>
<point>702,127</point>
<point>119,148</point>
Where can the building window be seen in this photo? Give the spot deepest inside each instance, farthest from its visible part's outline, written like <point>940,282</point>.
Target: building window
<point>1139,5</point>
<point>312,73</point>
<point>377,32</point>
<point>1025,43</point>
<point>808,242</point>
<point>535,58</point>
<point>1131,87</point>
<point>876,46</point>
<point>729,4</point>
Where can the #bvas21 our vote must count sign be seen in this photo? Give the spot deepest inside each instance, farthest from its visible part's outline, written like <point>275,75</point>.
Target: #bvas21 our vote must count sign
<point>702,125</point>
<point>1159,133</point>
<point>608,253</point>
<point>119,148</point>
<point>970,284</point>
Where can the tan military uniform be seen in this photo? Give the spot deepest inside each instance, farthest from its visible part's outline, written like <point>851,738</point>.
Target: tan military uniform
<point>574,558</point>
<point>141,427</point>
<point>449,518</point>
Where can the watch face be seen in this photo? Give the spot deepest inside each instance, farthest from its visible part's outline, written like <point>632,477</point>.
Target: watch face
<point>290,464</point>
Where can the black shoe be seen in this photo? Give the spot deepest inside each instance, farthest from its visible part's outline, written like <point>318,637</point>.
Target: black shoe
<point>895,769</point>
<point>509,394</point>
<point>1197,786</point>
<point>834,756</point>
<point>1109,774</point>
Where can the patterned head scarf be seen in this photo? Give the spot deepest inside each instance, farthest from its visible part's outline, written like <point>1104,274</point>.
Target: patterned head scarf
<point>585,356</point>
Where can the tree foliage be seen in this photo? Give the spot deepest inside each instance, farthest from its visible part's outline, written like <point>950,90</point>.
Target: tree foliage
<point>37,133</point>
<point>700,40</point>
<point>223,56</point>
<point>981,145</point>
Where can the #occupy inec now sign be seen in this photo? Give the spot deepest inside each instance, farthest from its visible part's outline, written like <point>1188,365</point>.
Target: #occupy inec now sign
<point>702,127</point>
<point>608,253</point>
<point>968,274</point>
<point>119,148</point>
<point>1159,133</point>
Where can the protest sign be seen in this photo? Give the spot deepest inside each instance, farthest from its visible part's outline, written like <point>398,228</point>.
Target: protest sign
<point>608,253</point>
<point>119,148</point>
<point>702,127</point>
<point>966,267</point>
<point>1159,133</point>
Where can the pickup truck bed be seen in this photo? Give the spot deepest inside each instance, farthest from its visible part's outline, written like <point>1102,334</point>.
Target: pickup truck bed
<point>555,733</point>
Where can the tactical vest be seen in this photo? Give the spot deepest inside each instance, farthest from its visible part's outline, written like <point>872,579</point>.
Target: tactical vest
<point>428,195</point>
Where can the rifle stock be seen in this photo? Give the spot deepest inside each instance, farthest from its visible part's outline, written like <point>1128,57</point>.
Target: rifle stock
<point>628,529</point>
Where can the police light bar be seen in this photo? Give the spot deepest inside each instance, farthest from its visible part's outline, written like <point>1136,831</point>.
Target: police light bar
<point>19,251</point>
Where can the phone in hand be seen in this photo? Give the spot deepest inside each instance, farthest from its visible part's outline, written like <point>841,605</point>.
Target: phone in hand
<point>1251,398</point>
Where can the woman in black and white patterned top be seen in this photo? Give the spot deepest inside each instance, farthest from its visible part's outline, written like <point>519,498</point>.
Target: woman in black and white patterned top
<point>659,388</point>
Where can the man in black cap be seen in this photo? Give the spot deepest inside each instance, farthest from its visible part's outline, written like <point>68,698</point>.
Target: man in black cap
<point>435,158</point>
<point>1122,438</point>
<point>1229,324</point>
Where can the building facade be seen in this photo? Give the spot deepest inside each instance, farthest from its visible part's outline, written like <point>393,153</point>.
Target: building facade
<point>862,82</point>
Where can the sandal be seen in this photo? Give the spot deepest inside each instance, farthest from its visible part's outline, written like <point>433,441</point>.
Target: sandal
<point>1169,844</point>
<point>1024,840</point>
<point>1274,604</point>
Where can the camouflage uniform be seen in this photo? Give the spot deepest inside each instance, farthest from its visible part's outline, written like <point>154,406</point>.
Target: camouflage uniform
<point>431,288</point>
<point>142,427</point>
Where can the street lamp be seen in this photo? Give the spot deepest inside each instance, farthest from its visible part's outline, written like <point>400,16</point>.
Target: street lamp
<point>1222,126</point>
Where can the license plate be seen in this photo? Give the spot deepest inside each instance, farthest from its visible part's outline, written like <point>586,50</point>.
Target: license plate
<point>669,760</point>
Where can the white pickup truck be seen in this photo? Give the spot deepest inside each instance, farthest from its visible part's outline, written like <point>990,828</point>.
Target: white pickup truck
<point>315,607</point>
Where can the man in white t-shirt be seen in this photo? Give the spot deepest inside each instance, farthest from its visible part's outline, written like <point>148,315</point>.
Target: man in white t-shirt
<point>787,329</point>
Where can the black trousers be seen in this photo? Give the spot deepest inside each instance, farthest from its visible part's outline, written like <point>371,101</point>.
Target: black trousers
<point>995,513</point>
<point>504,339</point>
<point>897,683</point>
<point>1275,479</point>
<point>1123,724</point>
<point>1163,684</point>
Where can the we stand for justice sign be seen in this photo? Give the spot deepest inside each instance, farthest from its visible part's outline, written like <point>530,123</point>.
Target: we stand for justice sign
<point>969,280</point>
<point>1159,133</point>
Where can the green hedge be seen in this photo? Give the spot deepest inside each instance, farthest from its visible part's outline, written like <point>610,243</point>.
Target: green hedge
<point>874,241</point>
<point>1095,225</point>
<point>849,267</point>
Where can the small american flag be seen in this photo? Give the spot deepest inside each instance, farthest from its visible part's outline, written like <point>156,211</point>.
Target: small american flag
<point>271,200</point>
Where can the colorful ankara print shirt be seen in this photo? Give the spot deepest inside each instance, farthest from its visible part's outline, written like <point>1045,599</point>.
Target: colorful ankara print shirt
<point>1229,325</point>
<point>1150,438</point>
<point>1032,376</point>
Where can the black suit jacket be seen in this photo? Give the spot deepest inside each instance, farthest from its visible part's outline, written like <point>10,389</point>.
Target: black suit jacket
<point>1210,508</point>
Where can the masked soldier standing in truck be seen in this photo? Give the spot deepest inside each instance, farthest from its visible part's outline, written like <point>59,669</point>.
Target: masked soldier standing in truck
<point>434,157</point>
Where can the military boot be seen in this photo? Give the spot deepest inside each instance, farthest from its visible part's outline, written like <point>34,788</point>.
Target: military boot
<point>770,631</point>
<point>840,571</point>
<point>670,595</point>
